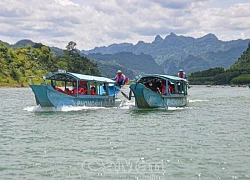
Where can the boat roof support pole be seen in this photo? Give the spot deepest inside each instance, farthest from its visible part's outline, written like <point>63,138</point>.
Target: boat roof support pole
<point>107,88</point>
<point>77,88</point>
<point>88,87</point>
<point>166,89</point>
<point>175,87</point>
<point>96,88</point>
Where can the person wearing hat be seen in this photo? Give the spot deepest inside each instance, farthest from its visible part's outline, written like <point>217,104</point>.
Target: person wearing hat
<point>182,74</point>
<point>120,78</point>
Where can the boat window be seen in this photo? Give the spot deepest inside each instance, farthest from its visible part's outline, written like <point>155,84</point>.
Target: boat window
<point>82,87</point>
<point>182,88</point>
<point>171,87</point>
<point>154,83</point>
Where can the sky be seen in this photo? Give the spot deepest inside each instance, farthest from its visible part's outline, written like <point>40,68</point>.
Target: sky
<point>96,23</point>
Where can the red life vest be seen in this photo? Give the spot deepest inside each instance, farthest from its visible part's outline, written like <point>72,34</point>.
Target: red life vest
<point>68,92</point>
<point>163,86</point>
<point>120,78</point>
<point>82,91</point>
<point>170,89</point>
<point>182,75</point>
<point>74,91</point>
<point>92,92</point>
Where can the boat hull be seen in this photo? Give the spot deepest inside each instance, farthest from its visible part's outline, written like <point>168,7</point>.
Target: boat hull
<point>146,98</point>
<point>47,96</point>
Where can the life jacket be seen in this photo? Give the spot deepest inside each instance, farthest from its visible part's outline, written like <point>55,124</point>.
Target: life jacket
<point>163,89</point>
<point>92,92</point>
<point>170,89</point>
<point>182,75</point>
<point>68,92</point>
<point>82,91</point>
<point>74,91</point>
<point>120,79</point>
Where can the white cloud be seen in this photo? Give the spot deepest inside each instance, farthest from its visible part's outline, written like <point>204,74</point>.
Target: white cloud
<point>66,3</point>
<point>100,22</point>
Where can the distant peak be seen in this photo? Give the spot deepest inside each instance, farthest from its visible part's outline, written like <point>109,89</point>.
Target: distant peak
<point>210,36</point>
<point>172,34</point>
<point>140,42</point>
<point>24,40</point>
<point>158,39</point>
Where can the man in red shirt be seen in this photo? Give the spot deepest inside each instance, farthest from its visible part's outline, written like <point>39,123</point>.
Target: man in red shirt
<point>120,78</point>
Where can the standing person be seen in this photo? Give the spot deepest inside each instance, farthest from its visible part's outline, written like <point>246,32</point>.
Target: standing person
<point>182,74</point>
<point>120,78</point>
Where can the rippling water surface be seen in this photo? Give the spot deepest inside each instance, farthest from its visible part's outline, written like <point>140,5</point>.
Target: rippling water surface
<point>208,139</point>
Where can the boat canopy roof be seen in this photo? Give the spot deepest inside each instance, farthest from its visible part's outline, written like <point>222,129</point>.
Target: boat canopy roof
<point>71,77</point>
<point>175,78</point>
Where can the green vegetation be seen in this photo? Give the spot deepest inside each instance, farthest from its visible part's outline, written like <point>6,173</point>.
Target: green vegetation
<point>17,64</point>
<point>238,73</point>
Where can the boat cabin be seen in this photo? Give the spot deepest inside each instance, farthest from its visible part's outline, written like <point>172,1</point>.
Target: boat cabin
<point>164,84</point>
<point>74,84</point>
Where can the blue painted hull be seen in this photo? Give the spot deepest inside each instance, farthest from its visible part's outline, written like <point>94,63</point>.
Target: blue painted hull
<point>47,96</point>
<point>146,98</point>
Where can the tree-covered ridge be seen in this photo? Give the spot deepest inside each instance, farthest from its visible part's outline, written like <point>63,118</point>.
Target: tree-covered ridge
<point>16,65</point>
<point>238,73</point>
<point>243,62</point>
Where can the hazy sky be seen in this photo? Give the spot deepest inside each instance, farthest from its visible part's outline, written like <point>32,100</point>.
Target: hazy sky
<point>92,23</point>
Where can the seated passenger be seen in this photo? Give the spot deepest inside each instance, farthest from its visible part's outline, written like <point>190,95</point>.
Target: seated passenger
<point>92,91</point>
<point>74,91</point>
<point>163,87</point>
<point>170,88</point>
<point>158,85</point>
<point>82,91</point>
<point>67,91</point>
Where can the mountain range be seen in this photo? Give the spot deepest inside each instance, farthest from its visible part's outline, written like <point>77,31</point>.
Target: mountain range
<point>175,52</point>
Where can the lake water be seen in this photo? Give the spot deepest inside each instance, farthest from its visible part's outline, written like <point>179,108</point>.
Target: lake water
<point>208,139</point>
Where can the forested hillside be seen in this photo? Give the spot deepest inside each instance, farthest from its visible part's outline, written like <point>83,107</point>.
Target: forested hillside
<point>238,73</point>
<point>16,64</point>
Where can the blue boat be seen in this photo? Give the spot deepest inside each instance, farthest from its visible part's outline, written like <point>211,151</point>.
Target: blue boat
<point>159,91</point>
<point>71,89</point>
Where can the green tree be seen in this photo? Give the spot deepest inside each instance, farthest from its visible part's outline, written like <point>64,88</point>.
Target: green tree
<point>19,63</point>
